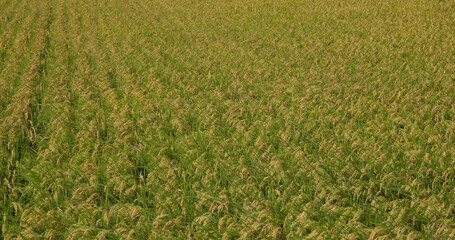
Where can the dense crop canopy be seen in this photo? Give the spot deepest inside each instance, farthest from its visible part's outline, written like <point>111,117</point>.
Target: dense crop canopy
<point>251,119</point>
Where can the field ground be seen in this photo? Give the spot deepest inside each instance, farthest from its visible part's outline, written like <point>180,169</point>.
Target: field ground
<point>171,119</point>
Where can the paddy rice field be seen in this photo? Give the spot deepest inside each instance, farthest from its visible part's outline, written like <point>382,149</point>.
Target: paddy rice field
<point>253,119</point>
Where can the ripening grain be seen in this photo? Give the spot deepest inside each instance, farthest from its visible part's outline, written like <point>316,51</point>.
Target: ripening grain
<point>251,119</point>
